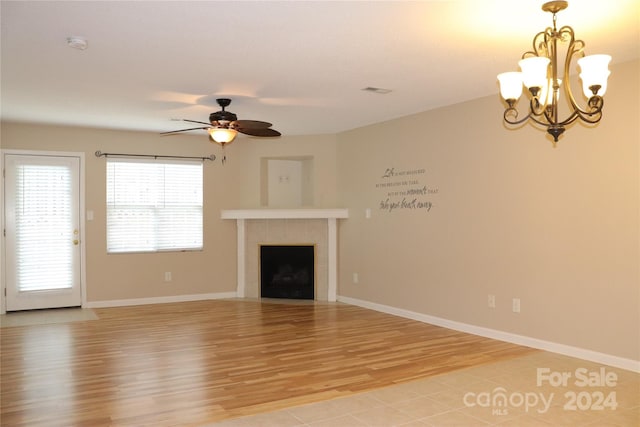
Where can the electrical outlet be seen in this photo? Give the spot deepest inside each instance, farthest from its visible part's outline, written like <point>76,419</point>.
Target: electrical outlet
<point>491,301</point>
<point>167,276</point>
<point>355,278</point>
<point>516,305</point>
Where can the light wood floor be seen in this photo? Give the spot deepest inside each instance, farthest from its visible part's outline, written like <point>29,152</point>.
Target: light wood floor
<point>199,362</point>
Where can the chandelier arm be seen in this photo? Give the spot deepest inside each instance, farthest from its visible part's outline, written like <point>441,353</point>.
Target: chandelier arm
<point>513,112</point>
<point>589,117</point>
<point>544,123</point>
<point>536,108</point>
<point>572,118</point>
<point>533,116</point>
<point>540,44</point>
<point>542,47</point>
<point>549,118</point>
<point>575,48</point>
<point>553,83</point>
<point>593,114</point>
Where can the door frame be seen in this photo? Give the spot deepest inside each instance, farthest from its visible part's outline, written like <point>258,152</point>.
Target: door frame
<point>81,225</point>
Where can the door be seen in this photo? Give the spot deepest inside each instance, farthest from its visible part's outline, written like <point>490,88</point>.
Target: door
<point>42,229</point>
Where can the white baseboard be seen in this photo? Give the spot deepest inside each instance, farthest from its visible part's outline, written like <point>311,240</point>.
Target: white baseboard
<point>159,300</point>
<point>567,350</point>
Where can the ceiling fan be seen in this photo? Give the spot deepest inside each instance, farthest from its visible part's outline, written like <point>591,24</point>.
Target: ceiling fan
<point>224,126</point>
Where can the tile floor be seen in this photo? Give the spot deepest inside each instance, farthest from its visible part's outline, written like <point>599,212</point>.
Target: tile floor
<point>500,394</point>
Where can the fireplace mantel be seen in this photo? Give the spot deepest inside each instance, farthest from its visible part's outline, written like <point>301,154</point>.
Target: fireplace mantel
<point>331,215</point>
<point>284,213</point>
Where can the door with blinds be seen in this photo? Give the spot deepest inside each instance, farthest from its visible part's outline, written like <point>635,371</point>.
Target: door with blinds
<point>42,231</point>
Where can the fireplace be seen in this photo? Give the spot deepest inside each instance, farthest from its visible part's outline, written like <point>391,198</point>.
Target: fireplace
<point>287,271</point>
<point>256,227</point>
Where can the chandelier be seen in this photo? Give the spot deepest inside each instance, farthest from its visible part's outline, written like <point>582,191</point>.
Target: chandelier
<point>542,78</point>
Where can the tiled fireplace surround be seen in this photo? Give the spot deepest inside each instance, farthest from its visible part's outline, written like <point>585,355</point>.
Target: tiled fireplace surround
<point>257,227</point>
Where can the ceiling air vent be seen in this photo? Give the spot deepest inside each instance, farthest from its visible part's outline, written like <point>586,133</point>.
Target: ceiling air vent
<point>379,90</point>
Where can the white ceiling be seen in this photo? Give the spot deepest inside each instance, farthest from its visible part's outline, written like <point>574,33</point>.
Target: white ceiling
<point>301,65</point>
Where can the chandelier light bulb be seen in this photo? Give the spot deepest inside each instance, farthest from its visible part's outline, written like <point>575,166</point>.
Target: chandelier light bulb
<point>510,85</point>
<point>534,71</point>
<point>594,74</point>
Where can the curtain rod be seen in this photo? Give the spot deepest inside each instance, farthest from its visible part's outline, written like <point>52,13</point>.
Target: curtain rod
<point>154,156</point>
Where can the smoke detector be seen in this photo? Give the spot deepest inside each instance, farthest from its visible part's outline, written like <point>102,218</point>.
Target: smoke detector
<point>77,42</point>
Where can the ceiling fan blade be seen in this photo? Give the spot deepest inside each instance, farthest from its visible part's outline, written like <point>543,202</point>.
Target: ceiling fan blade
<point>259,132</point>
<point>195,121</point>
<point>252,124</point>
<point>184,130</point>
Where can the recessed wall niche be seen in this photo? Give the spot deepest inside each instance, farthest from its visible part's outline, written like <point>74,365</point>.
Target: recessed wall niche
<point>286,182</point>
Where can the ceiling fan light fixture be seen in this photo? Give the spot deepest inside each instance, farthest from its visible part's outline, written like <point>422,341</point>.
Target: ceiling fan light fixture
<point>222,136</point>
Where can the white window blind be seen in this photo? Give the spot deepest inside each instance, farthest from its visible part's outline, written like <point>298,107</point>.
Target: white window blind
<point>44,227</point>
<point>153,205</point>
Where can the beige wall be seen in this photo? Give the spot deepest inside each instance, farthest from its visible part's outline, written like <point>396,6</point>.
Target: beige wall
<point>246,159</point>
<point>233,185</point>
<point>513,217</point>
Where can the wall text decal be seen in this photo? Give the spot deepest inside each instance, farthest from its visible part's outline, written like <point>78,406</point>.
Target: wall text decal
<point>404,190</point>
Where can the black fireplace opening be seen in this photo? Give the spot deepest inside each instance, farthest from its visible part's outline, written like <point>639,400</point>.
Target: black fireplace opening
<point>287,271</point>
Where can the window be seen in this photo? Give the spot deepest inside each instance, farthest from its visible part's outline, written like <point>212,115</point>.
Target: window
<point>153,206</point>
